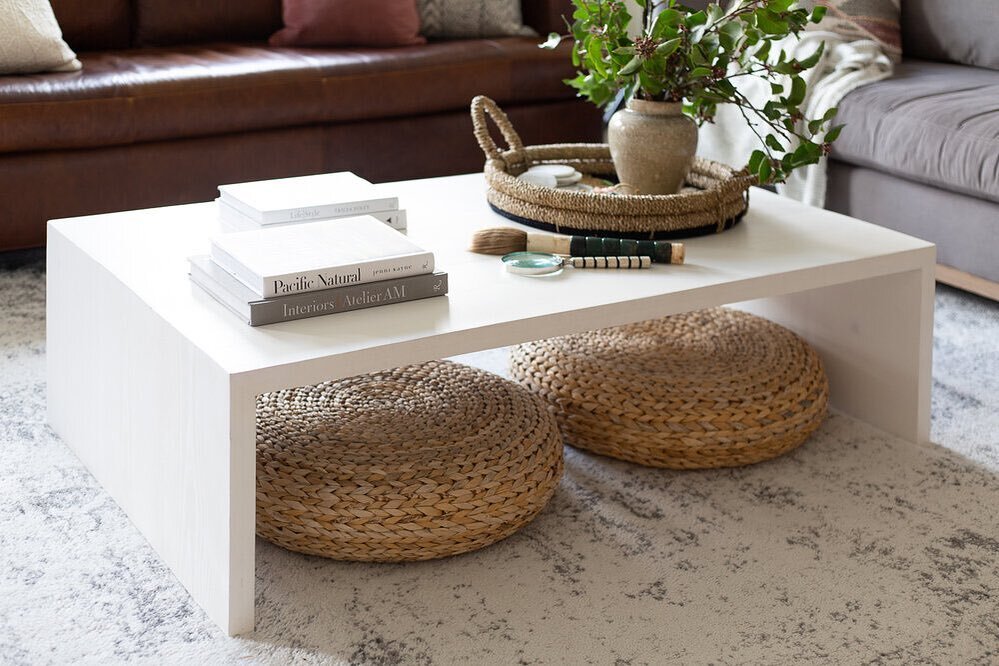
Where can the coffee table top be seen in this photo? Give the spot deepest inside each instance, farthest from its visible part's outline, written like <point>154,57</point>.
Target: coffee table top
<point>780,247</point>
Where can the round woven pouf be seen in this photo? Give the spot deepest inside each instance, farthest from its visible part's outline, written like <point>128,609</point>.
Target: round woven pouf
<point>713,388</point>
<point>414,463</point>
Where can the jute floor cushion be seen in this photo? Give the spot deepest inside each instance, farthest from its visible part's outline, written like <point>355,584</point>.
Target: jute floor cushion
<point>419,462</point>
<point>713,388</point>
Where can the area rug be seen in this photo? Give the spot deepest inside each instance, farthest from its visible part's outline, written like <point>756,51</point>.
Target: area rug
<point>855,548</point>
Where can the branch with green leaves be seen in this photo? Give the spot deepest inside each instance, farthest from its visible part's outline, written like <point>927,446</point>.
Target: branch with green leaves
<point>695,57</point>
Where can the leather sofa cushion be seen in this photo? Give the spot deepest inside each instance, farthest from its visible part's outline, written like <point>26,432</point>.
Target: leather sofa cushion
<point>933,123</point>
<point>164,22</point>
<point>89,25</point>
<point>158,94</point>
<point>545,16</point>
<point>963,32</point>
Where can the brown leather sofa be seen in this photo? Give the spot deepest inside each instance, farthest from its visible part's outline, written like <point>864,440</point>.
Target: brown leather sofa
<point>176,98</point>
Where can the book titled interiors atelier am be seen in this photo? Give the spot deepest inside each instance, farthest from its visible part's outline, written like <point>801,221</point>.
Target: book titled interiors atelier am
<point>306,198</point>
<point>321,255</point>
<point>257,311</point>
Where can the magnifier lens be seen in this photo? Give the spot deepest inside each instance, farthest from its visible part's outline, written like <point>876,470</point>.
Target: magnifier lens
<point>533,263</point>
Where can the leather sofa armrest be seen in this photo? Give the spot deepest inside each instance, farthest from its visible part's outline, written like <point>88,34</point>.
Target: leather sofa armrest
<point>546,15</point>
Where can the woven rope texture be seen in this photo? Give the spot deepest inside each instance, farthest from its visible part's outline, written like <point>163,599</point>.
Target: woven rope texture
<point>415,463</point>
<point>714,197</point>
<point>713,388</point>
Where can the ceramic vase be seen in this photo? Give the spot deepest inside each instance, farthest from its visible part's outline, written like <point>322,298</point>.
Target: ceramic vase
<point>652,145</point>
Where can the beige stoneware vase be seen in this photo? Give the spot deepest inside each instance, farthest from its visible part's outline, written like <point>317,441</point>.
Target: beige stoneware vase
<point>652,145</point>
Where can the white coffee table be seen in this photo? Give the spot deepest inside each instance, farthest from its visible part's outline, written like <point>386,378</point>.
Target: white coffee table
<point>153,384</point>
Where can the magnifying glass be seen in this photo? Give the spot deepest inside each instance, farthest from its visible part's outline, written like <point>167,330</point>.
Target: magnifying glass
<point>533,263</point>
<point>545,263</point>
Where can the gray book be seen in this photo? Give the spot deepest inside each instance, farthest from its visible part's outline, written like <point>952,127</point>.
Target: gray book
<point>256,311</point>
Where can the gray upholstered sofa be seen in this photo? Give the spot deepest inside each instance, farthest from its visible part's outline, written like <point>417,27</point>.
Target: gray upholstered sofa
<point>920,151</point>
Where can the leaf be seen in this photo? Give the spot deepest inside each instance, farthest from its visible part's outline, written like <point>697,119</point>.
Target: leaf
<point>813,60</point>
<point>715,12</point>
<point>786,68</point>
<point>709,45</point>
<point>755,159</point>
<point>650,85</point>
<point>725,87</point>
<point>554,39</point>
<point>668,18</point>
<point>733,29</point>
<point>830,114</point>
<point>667,48</point>
<point>797,95</point>
<point>772,142</point>
<point>776,88</point>
<point>833,133</point>
<point>696,56</point>
<point>633,66</point>
<point>595,57</point>
<point>695,19</point>
<point>764,171</point>
<point>818,13</point>
<point>700,72</point>
<point>806,153</point>
<point>625,50</point>
<point>771,110</point>
<point>763,52</point>
<point>771,23</point>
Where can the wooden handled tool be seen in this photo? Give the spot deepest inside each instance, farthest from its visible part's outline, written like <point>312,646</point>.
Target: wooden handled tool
<point>504,240</point>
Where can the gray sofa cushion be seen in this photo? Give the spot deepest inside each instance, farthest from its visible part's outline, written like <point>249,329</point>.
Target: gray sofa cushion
<point>934,123</point>
<point>964,31</point>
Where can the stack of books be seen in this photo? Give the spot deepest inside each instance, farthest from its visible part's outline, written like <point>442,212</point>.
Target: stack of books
<point>283,201</point>
<point>280,271</point>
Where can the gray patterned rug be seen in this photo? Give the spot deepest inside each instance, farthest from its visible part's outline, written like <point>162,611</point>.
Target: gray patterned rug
<point>856,548</point>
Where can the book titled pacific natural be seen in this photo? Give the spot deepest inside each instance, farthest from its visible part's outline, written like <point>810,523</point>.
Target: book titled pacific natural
<point>303,198</point>
<point>256,311</point>
<point>321,255</point>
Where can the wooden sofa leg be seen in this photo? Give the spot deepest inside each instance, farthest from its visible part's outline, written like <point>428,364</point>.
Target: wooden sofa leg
<point>967,282</point>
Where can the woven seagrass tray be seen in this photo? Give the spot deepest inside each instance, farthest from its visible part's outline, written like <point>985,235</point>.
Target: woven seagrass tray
<point>419,462</point>
<point>714,199</point>
<point>712,388</point>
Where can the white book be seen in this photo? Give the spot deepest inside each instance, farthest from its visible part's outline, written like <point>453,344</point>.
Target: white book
<point>307,197</point>
<point>308,257</point>
<point>233,220</point>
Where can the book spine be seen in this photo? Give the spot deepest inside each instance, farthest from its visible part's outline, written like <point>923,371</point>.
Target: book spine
<point>345,299</point>
<point>346,209</point>
<point>350,274</point>
<point>236,220</point>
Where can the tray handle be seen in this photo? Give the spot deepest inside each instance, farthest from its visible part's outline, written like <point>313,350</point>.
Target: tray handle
<point>482,106</point>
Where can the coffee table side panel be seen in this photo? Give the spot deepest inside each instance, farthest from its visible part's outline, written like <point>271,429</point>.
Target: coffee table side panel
<point>157,423</point>
<point>875,337</point>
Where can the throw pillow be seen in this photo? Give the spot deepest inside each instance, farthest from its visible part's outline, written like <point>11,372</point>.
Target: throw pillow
<point>471,18</point>
<point>348,23</point>
<point>31,41</point>
<point>877,20</point>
